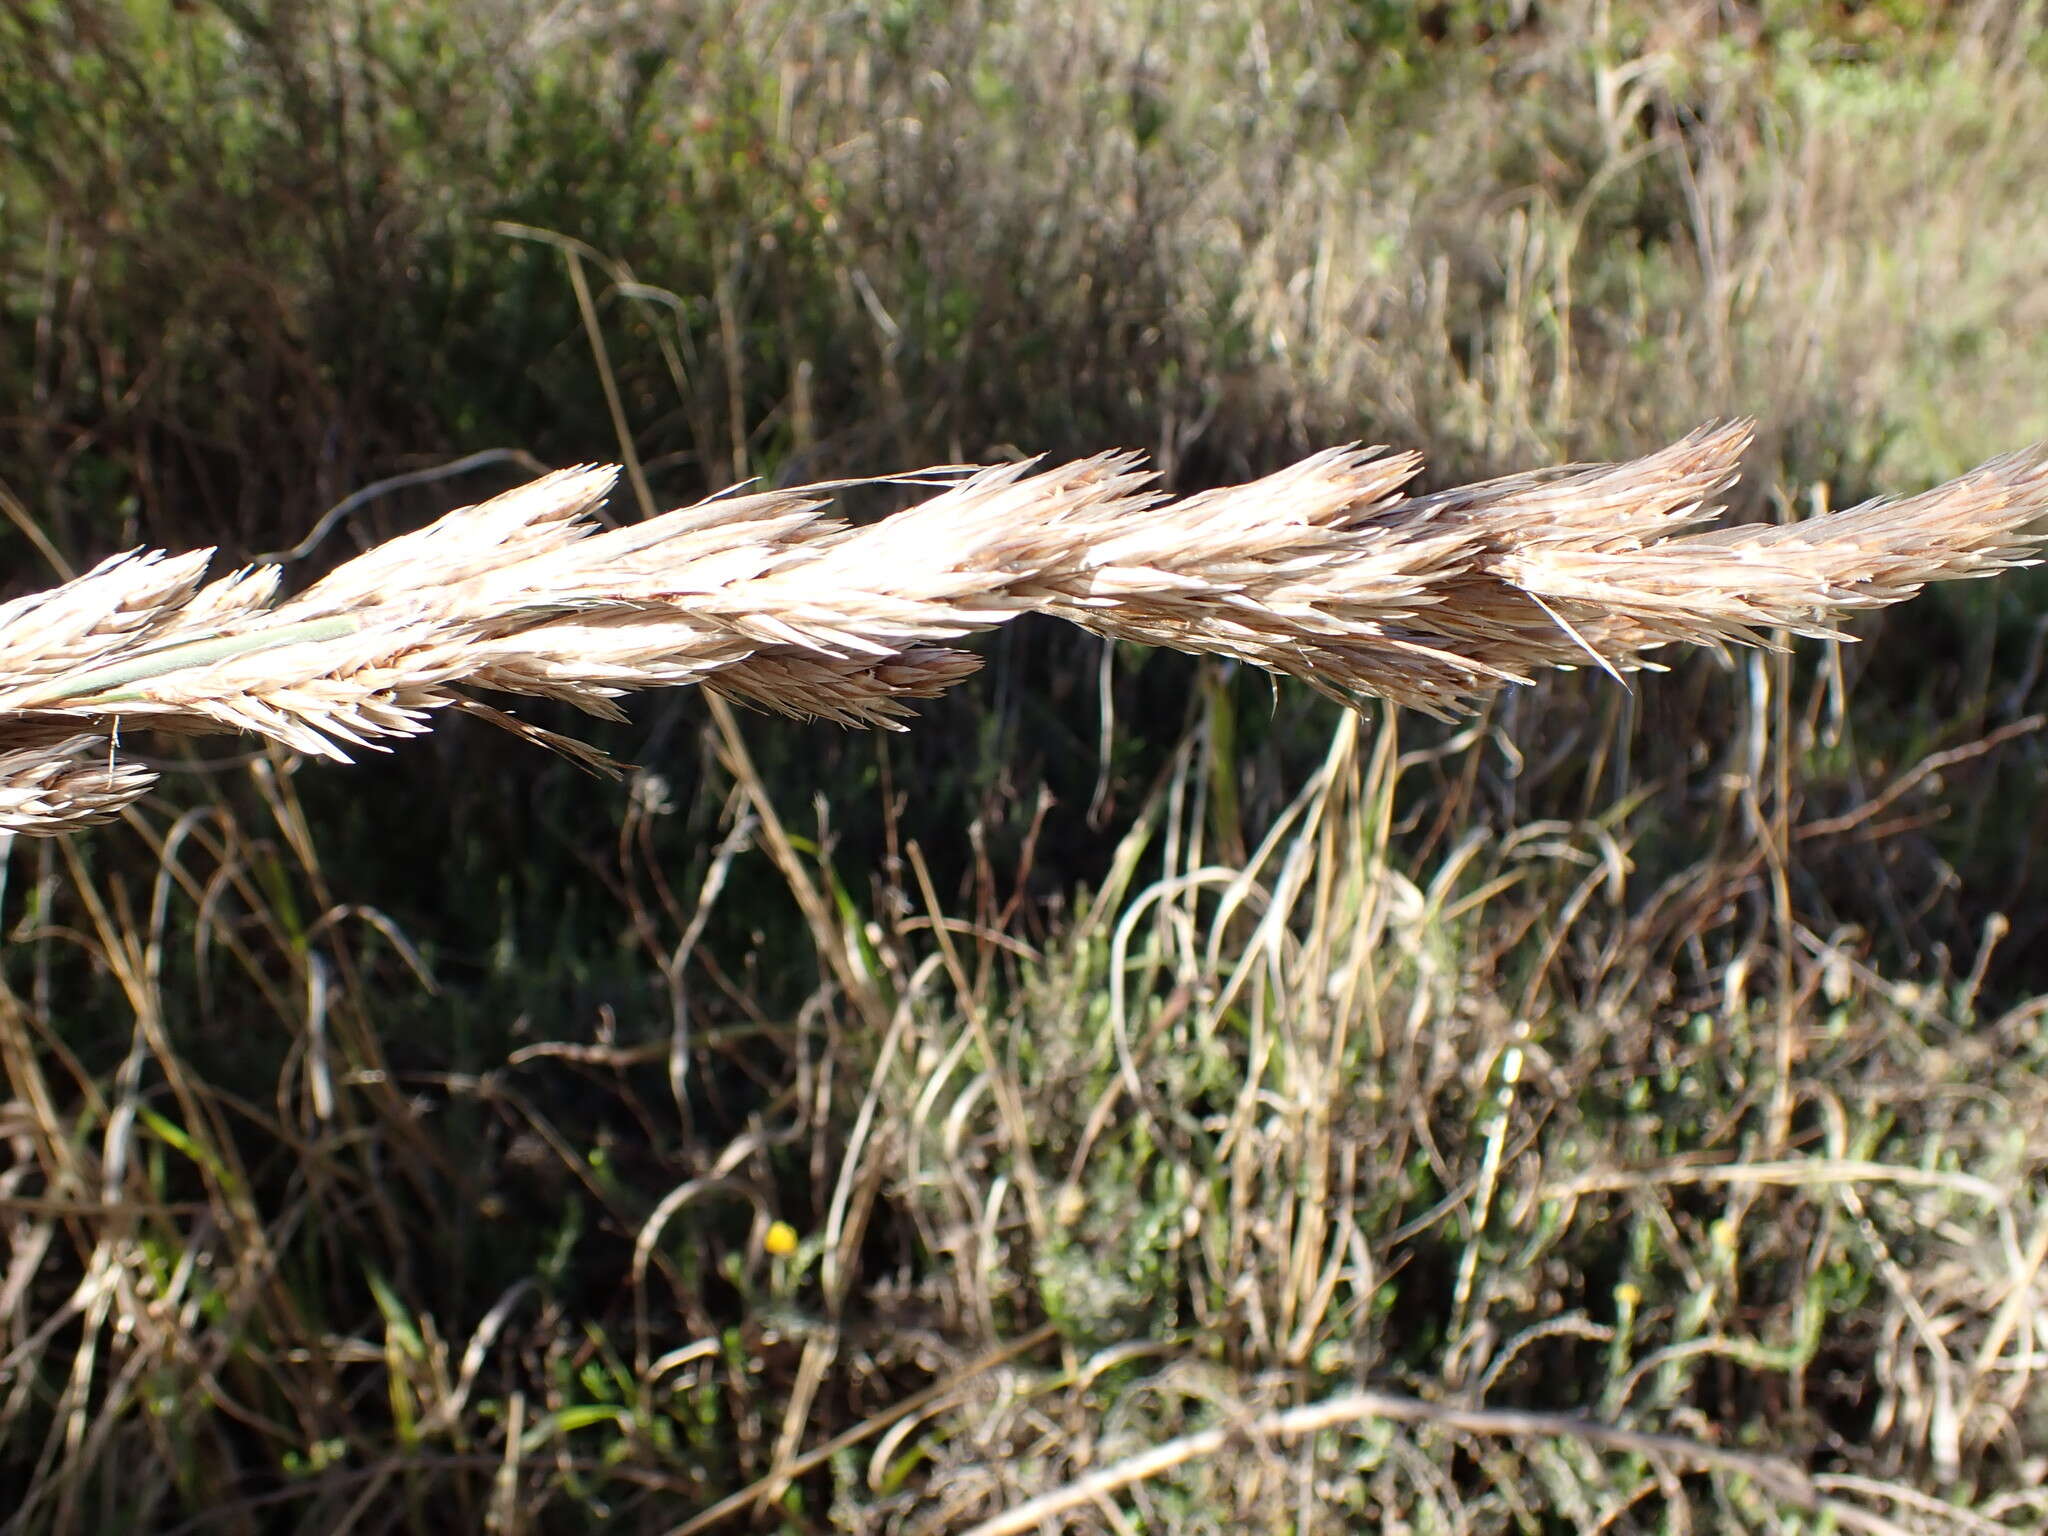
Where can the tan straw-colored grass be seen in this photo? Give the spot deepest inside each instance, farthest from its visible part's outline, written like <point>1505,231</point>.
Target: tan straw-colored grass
<point>1325,571</point>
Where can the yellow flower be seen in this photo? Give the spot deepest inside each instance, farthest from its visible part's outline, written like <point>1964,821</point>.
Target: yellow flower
<point>781,1239</point>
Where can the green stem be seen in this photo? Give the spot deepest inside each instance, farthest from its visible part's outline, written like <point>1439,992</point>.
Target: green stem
<point>109,684</point>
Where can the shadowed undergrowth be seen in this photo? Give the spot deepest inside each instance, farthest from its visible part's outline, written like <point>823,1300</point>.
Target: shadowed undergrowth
<point>1000,1198</point>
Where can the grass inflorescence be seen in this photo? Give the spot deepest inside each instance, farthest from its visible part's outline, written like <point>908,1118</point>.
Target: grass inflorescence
<point>1328,572</point>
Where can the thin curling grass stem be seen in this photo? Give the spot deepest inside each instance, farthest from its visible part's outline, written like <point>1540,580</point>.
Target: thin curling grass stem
<point>1328,571</point>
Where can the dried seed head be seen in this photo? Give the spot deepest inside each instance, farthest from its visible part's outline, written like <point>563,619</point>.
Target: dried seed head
<point>1325,571</point>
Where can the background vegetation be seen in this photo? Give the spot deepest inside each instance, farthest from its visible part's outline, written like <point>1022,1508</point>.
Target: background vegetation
<point>827,1131</point>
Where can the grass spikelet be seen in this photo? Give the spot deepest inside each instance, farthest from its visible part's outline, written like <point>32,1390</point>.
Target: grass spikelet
<point>1731,584</point>
<point>51,781</point>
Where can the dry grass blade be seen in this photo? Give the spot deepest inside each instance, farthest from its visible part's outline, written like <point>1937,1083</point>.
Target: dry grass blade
<point>1324,571</point>
<point>1783,1480</point>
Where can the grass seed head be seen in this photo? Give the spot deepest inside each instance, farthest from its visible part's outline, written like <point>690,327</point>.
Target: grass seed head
<point>1325,571</point>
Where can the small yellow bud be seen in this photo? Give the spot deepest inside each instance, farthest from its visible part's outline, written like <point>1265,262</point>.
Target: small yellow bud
<point>781,1239</point>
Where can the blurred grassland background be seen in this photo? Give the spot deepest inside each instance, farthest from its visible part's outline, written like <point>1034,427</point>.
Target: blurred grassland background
<point>1131,1051</point>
